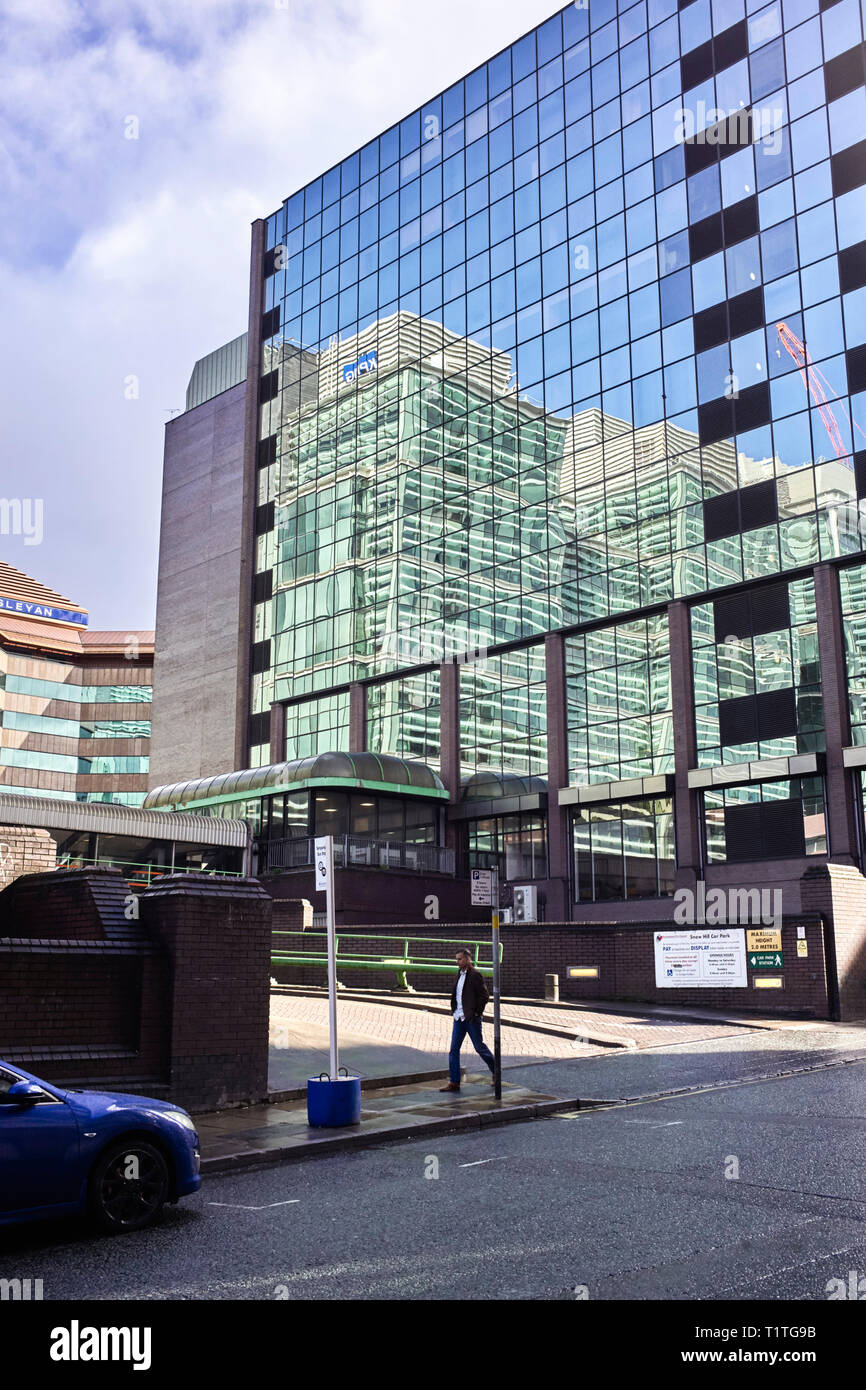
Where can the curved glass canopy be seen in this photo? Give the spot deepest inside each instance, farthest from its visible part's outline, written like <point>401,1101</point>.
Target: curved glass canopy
<point>370,770</point>
<point>489,785</point>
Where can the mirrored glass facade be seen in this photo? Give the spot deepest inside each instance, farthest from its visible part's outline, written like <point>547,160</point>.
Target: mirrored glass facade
<point>577,345</point>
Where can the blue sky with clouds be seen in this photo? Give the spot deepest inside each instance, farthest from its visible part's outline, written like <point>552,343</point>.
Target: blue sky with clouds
<point>128,258</point>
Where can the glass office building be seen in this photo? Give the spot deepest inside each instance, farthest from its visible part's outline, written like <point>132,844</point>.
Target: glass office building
<point>556,446</point>
<point>75,704</point>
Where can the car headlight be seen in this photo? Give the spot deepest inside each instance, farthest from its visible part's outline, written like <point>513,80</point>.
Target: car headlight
<point>180,1117</point>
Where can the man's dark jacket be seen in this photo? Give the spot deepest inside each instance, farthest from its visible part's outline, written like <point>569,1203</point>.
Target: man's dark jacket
<point>475,995</point>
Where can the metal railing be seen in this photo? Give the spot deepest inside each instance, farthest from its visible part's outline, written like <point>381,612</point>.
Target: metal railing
<point>137,875</point>
<point>402,959</point>
<point>357,852</point>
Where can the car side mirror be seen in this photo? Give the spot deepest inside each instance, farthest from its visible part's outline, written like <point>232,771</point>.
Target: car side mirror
<point>22,1093</point>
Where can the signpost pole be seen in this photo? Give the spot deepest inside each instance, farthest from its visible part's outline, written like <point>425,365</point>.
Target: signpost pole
<point>325,880</point>
<point>497,1042</point>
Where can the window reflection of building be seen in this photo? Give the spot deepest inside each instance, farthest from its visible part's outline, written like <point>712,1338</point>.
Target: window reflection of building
<point>411,516</point>
<point>514,844</point>
<point>549,352</point>
<point>739,666</point>
<point>624,850</point>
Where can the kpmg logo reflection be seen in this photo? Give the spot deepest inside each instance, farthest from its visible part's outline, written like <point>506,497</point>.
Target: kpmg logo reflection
<point>368,363</point>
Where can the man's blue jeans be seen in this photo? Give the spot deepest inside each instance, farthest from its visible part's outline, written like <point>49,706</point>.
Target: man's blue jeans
<point>457,1035</point>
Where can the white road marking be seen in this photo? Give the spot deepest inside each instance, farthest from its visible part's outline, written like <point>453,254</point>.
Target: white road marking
<point>655,1124</point>
<point>238,1206</point>
<point>478,1162</point>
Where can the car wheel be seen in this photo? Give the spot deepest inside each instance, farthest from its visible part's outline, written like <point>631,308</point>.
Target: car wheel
<point>128,1186</point>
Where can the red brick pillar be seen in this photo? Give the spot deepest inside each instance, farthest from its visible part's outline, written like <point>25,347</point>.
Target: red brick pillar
<point>217,934</point>
<point>558,906</point>
<point>686,815</point>
<point>838,892</point>
<point>252,416</point>
<point>357,718</point>
<point>449,737</point>
<point>278,733</point>
<point>841,829</point>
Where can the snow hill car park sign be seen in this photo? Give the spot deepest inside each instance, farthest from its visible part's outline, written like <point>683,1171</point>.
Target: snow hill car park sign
<point>710,959</point>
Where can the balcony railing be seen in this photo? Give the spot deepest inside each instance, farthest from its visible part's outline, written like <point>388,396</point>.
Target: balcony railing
<point>356,852</point>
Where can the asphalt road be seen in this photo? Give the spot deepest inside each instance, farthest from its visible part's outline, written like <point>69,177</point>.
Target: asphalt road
<point>625,1203</point>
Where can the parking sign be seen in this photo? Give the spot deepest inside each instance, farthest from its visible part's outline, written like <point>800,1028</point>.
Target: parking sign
<point>482,887</point>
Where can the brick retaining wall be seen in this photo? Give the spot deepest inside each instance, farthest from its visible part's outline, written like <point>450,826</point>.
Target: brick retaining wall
<point>623,953</point>
<point>167,988</point>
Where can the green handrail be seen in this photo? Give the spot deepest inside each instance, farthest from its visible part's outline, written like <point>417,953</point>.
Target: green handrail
<point>431,965</point>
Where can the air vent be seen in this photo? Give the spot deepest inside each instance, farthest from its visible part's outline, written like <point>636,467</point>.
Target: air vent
<point>738,721</point>
<point>765,830</point>
<point>260,657</point>
<point>269,387</point>
<point>856,362</point>
<point>852,267</point>
<point>263,586</point>
<point>749,614</point>
<point>267,451</point>
<point>848,169</point>
<point>270,323</point>
<point>265,518</point>
<point>845,73</point>
<point>260,729</point>
<point>777,714</point>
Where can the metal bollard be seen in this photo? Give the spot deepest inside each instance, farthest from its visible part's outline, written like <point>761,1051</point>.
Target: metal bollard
<point>551,988</point>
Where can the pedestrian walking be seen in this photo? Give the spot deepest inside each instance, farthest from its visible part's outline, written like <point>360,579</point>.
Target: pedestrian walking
<point>469,999</point>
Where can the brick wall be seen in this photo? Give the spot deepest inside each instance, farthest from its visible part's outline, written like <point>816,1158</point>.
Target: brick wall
<point>81,986</point>
<point>623,953</point>
<point>84,904</point>
<point>838,892</point>
<point>217,934</point>
<point>166,991</point>
<point>24,851</point>
<point>292,914</point>
<point>625,957</point>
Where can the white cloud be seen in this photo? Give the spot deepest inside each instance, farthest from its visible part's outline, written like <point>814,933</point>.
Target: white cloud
<point>122,256</point>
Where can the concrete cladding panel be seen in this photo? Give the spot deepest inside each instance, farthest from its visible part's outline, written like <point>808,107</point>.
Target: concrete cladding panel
<point>198,599</point>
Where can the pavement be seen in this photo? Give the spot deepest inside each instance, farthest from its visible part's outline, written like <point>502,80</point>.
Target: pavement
<point>556,1057</point>
<point>390,1036</point>
<point>234,1139</point>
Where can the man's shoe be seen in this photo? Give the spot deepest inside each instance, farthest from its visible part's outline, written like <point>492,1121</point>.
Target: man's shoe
<point>449,1087</point>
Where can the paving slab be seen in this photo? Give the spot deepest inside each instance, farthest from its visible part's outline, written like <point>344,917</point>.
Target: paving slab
<point>279,1132</point>
<point>580,1029</point>
<point>379,1040</point>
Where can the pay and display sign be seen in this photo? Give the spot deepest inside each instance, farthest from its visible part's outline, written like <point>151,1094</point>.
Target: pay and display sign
<point>483,884</point>
<point>700,959</point>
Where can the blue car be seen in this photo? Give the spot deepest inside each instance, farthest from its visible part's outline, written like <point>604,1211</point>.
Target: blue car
<point>116,1158</point>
